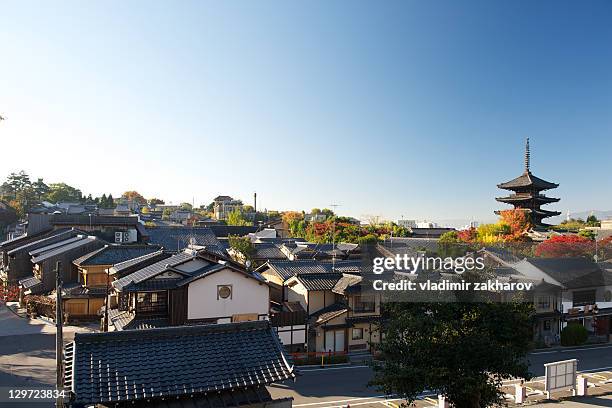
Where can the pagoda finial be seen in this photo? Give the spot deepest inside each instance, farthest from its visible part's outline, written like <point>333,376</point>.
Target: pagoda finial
<point>527,156</point>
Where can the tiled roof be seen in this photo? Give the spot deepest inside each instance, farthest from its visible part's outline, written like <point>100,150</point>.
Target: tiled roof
<point>173,362</point>
<point>346,281</point>
<point>328,313</point>
<point>178,238</point>
<point>227,230</point>
<point>142,261</point>
<point>319,281</point>
<point>76,290</point>
<point>114,254</point>
<point>61,219</point>
<point>64,241</point>
<point>573,272</point>
<point>29,282</point>
<point>528,179</point>
<point>61,249</point>
<point>268,251</point>
<point>288,269</point>
<point>48,240</point>
<point>123,320</point>
<point>153,269</point>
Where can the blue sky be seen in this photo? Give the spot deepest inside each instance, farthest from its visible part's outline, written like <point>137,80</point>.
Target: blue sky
<point>389,108</point>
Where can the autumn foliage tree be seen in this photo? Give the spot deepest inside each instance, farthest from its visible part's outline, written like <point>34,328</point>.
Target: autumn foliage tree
<point>565,246</point>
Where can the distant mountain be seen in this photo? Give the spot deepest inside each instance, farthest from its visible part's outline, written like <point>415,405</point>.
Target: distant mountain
<point>601,215</point>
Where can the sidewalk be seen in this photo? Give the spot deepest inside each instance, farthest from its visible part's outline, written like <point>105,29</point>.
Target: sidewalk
<point>580,402</point>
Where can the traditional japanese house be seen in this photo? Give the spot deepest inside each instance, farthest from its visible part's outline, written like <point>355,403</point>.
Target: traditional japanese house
<point>208,366</point>
<point>187,288</point>
<point>45,259</point>
<point>84,299</point>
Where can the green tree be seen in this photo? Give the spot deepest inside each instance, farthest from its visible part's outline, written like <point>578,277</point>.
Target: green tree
<point>462,350</point>
<point>237,218</point>
<point>40,189</point>
<point>590,234</point>
<point>63,192</point>
<point>592,221</point>
<point>186,206</point>
<point>243,246</point>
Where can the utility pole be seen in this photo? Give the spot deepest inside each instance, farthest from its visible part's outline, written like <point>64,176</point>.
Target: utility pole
<point>105,328</point>
<point>59,335</point>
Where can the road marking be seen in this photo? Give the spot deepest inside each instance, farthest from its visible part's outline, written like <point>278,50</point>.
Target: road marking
<point>543,352</point>
<point>360,403</point>
<point>344,400</point>
<point>331,368</point>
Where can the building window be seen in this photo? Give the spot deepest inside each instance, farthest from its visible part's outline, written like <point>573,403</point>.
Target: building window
<point>584,297</point>
<point>547,325</point>
<point>224,292</point>
<point>543,302</point>
<point>357,334</point>
<point>152,302</point>
<point>364,304</point>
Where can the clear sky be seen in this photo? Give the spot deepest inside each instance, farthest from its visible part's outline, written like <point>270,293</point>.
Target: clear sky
<point>389,108</point>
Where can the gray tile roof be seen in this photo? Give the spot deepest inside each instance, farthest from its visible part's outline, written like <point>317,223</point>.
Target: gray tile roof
<point>29,282</point>
<point>114,254</point>
<point>55,244</point>
<point>319,281</point>
<point>573,273</point>
<point>288,269</point>
<point>61,249</point>
<point>328,313</point>
<point>153,270</point>
<point>76,290</point>
<point>173,362</point>
<point>52,238</point>
<point>345,282</point>
<point>178,238</point>
<point>131,265</point>
<point>123,320</point>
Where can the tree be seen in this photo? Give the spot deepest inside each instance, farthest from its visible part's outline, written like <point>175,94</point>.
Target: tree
<point>565,246</point>
<point>63,192</point>
<point>134,196</point>
<point>40,189</point>
<point>243,246</point>
<point>592,221</point>
<point>237,218</point>
<point>587,233</point>
<point>186,206</point>
<point>156,201</point>
<point>462,350</point>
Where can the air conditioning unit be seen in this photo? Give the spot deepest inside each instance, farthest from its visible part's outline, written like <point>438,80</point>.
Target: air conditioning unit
<point>118,237</point>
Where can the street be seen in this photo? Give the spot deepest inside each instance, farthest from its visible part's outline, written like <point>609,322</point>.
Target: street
<point>27,353</point>
<point>339,386</point>
<point>27,360</point>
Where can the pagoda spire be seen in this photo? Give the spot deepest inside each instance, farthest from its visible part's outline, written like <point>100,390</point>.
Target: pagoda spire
<point>527,156</point>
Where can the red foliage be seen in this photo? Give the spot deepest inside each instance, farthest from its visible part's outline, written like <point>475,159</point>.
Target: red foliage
<point>517,219</point>
<point>10,293</point>
<point>565,246</point>
<point>468,235</point>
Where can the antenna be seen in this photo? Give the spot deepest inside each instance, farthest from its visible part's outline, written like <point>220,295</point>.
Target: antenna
<point>527,156</point>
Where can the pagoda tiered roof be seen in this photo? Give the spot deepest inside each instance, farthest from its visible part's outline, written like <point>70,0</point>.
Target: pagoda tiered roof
<point>527,197</point>
<point>528,180</point>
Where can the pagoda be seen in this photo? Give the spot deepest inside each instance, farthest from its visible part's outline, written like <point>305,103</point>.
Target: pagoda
<point>527,194</point>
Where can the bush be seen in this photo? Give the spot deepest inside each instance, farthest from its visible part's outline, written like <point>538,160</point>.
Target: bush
<point>574,334</point>
<point>313,360</point>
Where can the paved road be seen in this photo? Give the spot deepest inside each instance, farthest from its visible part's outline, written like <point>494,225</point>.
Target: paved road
<point>337,386</point>
<point>27,352</point>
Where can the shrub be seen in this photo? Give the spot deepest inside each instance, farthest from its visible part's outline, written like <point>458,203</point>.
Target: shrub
<point>574,334</point>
